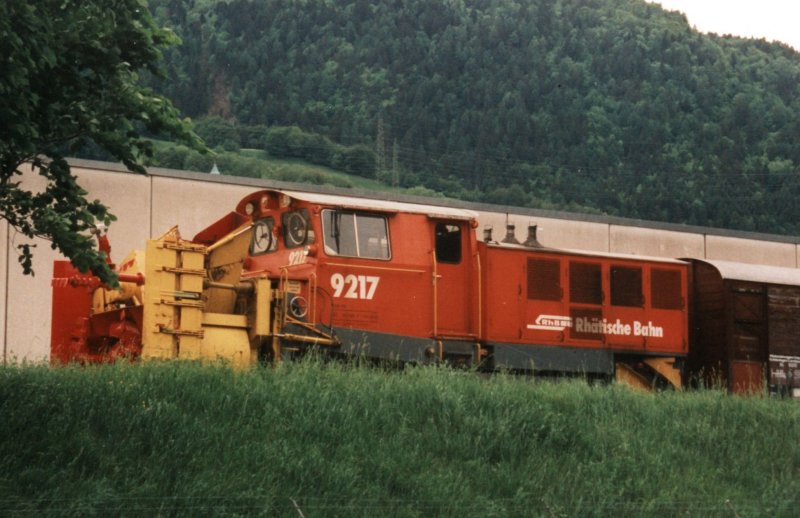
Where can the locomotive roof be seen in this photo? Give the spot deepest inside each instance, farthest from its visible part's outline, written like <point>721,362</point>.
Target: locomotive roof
<point>590,253</point>
<point>635,257</point>
<point>347,202</point>
<point>755,272</point>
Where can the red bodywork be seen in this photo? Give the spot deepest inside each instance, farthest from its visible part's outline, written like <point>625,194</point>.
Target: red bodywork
<point>395,294</point>
<point>412,282</point>
<point>584,300</point>
<point>77,335</point>
<point>438,289</point>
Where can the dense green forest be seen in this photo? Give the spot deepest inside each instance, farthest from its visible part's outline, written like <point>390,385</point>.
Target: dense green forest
<point>615,106</point>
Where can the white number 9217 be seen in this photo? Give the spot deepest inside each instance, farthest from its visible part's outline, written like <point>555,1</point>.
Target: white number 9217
<point>354,286</point>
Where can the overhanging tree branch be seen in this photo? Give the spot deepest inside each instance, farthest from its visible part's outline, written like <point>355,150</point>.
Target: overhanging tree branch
<point>68,76</point>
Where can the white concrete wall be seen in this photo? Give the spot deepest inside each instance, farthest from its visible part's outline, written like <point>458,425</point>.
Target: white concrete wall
<point>751,251</point>
<point>656,243</point>
<point>148,206</point>
<point>191,204</point>
<point>553,233</point>
<point>128,197</point>
<point>28,312</point>
<point>27,332</point>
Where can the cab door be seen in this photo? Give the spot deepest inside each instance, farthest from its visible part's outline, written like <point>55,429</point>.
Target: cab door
<point>453,280</point>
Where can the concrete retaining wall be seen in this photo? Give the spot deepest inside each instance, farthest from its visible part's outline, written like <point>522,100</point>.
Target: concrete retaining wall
<point>148,206</point>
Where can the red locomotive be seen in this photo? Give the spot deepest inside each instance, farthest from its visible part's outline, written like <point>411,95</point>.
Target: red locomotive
<point>287,271</point>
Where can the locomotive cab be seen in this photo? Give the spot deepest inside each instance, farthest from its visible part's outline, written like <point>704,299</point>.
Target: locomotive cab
<point>386,280</point>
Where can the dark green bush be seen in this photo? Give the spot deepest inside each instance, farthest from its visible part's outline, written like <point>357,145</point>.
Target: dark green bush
<point>358,160</point>
<point>171,156</point>
<point>216,131</point>
<point>198,162</point>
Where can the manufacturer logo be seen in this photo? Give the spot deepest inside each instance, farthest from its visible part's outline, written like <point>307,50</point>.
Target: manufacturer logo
<point>597,326</point>
<point>551,323</point>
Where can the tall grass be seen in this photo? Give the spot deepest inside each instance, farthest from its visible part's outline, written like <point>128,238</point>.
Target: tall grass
<point>339,440</point>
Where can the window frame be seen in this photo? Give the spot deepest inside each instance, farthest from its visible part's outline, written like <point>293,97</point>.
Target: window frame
<point>444,244</point>
<point>309,232</point>
<point>331,251</point>
<point>273,247</point>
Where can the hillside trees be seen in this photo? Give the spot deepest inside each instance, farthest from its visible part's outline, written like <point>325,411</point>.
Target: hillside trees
<point>69,77</point>
<point>614,104</point>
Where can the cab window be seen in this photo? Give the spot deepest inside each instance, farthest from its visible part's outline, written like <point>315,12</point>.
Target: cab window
<point>296,228</point>
<point>263,239</point>
<point>354,234</point>
<point>448,243</point>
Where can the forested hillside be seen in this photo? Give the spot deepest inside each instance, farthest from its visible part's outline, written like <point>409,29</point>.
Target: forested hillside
<point>608,105</point>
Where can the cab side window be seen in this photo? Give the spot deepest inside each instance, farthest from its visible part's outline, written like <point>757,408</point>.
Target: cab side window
<point>354,234</point>
<point>448,243</point>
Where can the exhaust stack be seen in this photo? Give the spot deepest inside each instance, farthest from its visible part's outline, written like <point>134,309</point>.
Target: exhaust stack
<point>532,242</point>
<point>510,238</point>
<point>487,234</point>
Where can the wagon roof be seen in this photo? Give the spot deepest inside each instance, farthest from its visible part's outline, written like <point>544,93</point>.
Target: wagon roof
<point>347,202</point>
<point>755,272</point>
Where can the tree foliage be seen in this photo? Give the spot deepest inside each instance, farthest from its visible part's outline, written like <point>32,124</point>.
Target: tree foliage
<point>612,104</point>
<point>69,77</point>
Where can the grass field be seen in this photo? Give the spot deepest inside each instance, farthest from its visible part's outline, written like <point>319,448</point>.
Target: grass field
<point>314,439</point>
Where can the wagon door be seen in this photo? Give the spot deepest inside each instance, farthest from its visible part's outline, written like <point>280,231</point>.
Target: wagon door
<point>748,325</point>
<point>784,349</point>
<point>452,280</point>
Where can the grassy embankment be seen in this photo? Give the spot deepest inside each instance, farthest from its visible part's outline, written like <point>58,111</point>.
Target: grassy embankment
<point>255,163</point>
<point>338,440</point>
<point>294,170</point>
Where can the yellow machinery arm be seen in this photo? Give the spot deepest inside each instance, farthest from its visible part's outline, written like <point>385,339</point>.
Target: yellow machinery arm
<point>190,301</point>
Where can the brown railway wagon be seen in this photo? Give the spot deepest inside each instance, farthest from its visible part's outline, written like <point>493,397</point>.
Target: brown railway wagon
<point>745,327</point>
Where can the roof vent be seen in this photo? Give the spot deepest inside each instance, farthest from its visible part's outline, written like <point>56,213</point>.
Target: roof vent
<point>532,242</point>
<point>510,238</point>
<point>487,234</point>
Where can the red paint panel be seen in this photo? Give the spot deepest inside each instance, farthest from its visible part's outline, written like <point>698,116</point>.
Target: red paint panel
<point>390,296</point>
<point>70,305</point>
<point>362,295</point>
<point>526,303</point>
